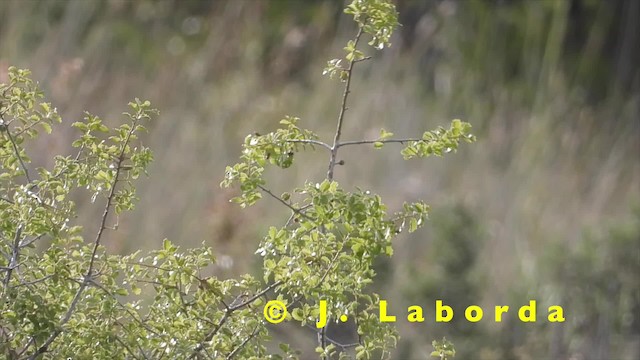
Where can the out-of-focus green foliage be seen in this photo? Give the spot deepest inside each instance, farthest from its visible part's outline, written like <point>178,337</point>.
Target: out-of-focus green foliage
<point>600,281</point>
<point>450,273</point>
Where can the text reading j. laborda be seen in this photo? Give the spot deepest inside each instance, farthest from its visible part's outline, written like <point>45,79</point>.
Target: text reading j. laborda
<point>275,311</point>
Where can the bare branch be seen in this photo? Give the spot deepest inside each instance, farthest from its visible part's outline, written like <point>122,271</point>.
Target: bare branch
<point>384,141</point>
<point>126,347</point>
<point>15,259</point>
<point>256,296</point>
<point>363,59</point>
<point>32,340</point>
<point>211,334</point>
<point>343,110</point>
<point>322,337</point>
<point>16,150</point>
<point>294,209</point>
<point>25,129</point>
<point>228,312</point>
<point>336,141</point>
<point>133,315</point>
<point>331,263</point>
<point>293,214</point>
<point>239,347</point>
<point>312,142</point>
<point>24,244</point>
<point>32,282</point>
<point>334,342</point>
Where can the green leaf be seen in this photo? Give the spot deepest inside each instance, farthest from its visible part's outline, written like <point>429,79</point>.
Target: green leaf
<point>136,290</point>
<point>324,186</point>
<point>46,127</point>
<point>80,125</point>
<point>297,314</point>
<point>122,292</point>
<point>385,134</point>
<point>413,224</point>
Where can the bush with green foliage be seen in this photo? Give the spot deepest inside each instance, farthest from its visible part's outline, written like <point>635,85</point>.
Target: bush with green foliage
<point>600,279</point>
<point>63,295</point>
<point>450,273</point>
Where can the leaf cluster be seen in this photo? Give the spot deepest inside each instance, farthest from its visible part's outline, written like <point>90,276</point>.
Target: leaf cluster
<point>377,18</point>
<point>277,148</point>
<point>443,349</point>
<point>440,141</point>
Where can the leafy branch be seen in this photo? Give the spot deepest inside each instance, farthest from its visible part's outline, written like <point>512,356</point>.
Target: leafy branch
<point>111,180</point>
<point>337,232</point>
<point>343,107</point>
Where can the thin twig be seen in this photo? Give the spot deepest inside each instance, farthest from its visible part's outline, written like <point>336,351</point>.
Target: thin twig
<point>30,126</point>
<point>343,110</point>
<point>334,342</point>
<point>146,266</point>
<point>61,172</point>
<point>293,214</point>
<point>32,282</point>
<point>292,208</point>
<point>256,296</point>
<point>311,141</point>
<point>24,244</point>
<point>321,334</point>
<point>96,244</point>
<point>32,340</point>
<point>242,345</point>
<point>126,347</point>
<point>142,351</point>
<point>322,337</point>
<point>331,263</point>
<point>15,259</point>
<point>211,334</point>
<point>127,310</point>
<point>228,311</point>
<point>16,150</point>
<point>291,217</point>
<point>363,59</point>
<point>336,141</point>
<point>384,141</point>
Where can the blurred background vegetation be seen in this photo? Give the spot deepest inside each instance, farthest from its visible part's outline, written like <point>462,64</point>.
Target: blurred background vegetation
<point>545,206</point>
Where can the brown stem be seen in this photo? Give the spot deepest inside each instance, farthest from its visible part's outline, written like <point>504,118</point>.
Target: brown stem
<point>343,110</point>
